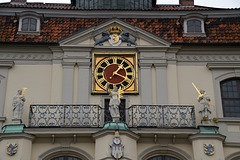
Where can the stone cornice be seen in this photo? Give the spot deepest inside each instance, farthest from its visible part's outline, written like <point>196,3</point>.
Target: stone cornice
<point>2,119</point>
<point>8,64</point>
<point>207,136</point>
<point>208,58</point>
<point>223,66</point>
<point>16,135</point>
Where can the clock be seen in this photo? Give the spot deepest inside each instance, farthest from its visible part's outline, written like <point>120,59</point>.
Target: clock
<point>114,69</point>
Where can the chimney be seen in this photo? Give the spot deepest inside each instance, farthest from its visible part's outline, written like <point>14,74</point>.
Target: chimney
<point>186,2</point>
<point>18,2</point>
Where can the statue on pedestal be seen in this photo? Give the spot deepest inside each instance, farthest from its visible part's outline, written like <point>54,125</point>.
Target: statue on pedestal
<point>18,103</point>
<point>204,106</point>
<point>115,101</point>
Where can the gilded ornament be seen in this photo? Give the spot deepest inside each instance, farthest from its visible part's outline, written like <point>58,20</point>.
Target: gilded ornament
<point>209,149</point>
<point>12,149</point>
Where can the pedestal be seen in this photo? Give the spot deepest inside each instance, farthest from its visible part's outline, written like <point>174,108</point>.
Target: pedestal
<point>14,144</point>
<point>208,143</point>
<point>17,121</point>
<point>104,138</point>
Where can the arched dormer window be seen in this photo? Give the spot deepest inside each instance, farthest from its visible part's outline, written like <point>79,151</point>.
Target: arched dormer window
<point>29,23</point>
<point>193,25</point>
<point>230,93</point>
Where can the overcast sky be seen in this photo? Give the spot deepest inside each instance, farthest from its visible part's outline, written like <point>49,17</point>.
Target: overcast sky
<point>209,3</point>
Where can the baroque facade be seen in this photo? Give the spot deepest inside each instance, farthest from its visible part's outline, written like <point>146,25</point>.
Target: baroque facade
<point>57,60</point>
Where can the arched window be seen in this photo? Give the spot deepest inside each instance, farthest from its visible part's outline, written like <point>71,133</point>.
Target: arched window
<point>194,26</point>
<point>65,158</point>
<point>230,93</point>
<point>163,157</point>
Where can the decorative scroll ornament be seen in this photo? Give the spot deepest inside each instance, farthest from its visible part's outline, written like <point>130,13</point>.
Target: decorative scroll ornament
<point>12,149</point>
<point>117,147</point>
<point>209,149</point>
<point>115,36</point>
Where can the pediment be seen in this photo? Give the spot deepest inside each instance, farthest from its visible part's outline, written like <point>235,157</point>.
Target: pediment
<point>86,37</point>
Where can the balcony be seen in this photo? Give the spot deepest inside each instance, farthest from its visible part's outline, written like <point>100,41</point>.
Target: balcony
<point>94,116</point>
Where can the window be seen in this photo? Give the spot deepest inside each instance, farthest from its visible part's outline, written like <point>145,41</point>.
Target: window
<point>163,157</point>
<point>194,26</point>
<point>29,23</point>
<point>230,93</point>
<point>66,158</point>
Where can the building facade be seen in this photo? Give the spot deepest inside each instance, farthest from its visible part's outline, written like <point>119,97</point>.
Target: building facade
<point>63,57</point>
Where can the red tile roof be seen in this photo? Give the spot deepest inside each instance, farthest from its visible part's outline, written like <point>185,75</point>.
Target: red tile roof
<point>220,30</point>
<point>70,7</point>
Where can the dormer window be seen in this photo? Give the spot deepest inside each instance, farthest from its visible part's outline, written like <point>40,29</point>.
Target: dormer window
<point>193,25</point>
<point>29,23</point>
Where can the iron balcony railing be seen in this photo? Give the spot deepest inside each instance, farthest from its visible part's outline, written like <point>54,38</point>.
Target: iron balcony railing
<point>162,116</point>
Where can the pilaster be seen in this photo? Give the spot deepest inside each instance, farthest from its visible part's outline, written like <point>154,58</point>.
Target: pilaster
<point>68,81</point>
<point>4,67</point>
<point>83,82</point>
<point>146,85</point>
<point>161,83</point>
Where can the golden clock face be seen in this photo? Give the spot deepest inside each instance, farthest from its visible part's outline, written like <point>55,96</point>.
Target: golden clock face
<point>115,70</point>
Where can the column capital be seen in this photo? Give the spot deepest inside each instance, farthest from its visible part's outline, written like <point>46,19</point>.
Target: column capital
<point>207,136</point>
<point>8,64</point>
<point>145,65</point>
<point>163,65</point>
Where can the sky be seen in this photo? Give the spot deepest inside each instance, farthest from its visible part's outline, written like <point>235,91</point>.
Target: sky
<point>209,3</point>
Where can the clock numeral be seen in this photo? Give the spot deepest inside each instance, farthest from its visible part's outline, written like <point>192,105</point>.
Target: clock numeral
<point>104,83</point>
<point>114,60</point>
<point>128,80</point>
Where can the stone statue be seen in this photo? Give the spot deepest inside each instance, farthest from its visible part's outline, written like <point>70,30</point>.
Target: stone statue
<point>204,106</point>
<point>114,102</point>
<point>18,103</point>
<point>100,41</point>
<point>125,37</point>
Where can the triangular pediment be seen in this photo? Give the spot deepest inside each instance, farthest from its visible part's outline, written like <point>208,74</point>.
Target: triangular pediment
<point>88,36</point>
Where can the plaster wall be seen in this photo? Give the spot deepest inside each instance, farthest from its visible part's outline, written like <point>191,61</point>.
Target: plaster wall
<point>37,78</point>
<point>231,150</point>
<point>202,78</point>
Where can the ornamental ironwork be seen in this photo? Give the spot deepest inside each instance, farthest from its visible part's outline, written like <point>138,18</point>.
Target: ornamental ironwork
<point>65,115</point>
<point>161,116</point>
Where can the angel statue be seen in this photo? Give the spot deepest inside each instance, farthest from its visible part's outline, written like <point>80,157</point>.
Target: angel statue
<point>115,101</point>
<point>18,103</point>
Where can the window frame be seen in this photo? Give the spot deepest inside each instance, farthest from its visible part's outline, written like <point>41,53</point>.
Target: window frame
<point>194,17</point>
<point>29,15</point>
<point>231,98</point>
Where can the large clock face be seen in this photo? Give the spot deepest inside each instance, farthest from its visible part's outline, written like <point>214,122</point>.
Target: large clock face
<point>115,70</point>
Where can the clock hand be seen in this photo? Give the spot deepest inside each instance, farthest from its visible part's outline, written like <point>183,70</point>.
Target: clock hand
<point>119,67</point>
<point>120,75</point>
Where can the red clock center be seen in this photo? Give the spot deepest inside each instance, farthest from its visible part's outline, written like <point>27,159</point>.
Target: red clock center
<point>112,77</point>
